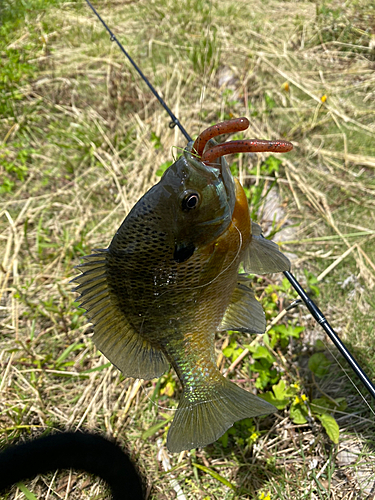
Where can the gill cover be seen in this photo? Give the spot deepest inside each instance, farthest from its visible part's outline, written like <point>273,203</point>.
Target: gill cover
<point>203,199</point>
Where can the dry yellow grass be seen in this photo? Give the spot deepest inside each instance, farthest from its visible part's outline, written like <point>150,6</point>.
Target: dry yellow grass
<point>95,139</point>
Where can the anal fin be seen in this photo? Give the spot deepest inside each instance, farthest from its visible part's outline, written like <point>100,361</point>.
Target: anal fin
<point>244,313</point>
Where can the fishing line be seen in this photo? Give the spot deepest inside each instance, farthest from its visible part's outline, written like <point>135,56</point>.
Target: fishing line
<point>347,374</point>
<point>113,38</point>
<point>182,288</point>
<point>205,66</point>
<point>322,320</point>
<point>155,403</point>
<point>311,306</point>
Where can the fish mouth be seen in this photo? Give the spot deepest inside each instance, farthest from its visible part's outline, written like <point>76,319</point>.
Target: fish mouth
<point>221,173</point>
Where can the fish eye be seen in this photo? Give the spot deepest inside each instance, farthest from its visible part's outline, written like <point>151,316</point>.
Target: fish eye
<point>190,200</point>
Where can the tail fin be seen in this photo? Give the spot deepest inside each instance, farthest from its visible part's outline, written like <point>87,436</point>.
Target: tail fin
<point>199,423</point>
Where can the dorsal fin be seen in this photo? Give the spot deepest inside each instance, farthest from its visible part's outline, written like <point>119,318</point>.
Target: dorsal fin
<point>114,336</point>
<point>244,313</point>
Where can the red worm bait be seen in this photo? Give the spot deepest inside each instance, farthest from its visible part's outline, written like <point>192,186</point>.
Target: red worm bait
<point>228,127</point>
<point>244,146</point>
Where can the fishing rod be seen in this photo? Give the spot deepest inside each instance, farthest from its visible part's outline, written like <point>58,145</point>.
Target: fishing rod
<point>311,306</point>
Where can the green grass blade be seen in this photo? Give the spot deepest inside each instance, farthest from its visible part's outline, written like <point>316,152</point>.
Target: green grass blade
<point>97,368</point>
<point>152,430</point>
<point>67,351</point>
<point>215,475</point>
<point>26,492</point>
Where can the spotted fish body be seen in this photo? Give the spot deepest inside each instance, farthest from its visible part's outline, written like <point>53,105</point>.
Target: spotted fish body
<point>169,280</point>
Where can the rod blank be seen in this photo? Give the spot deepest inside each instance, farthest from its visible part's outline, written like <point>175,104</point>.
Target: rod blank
<point>322,320</point>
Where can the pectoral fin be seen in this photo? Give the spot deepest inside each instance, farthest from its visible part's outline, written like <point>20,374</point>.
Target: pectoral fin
<point>263,256</point>
<point>256,229</point>
<point>113,334</point>
<point>244,313</point>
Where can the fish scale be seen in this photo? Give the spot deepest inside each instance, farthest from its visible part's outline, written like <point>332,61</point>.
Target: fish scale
<point>169,280</point>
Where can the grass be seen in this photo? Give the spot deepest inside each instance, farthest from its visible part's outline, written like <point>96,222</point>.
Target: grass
<point>83,139</point>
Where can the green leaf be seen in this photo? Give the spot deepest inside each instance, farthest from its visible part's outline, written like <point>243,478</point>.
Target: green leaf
<point>270,102</point>
<point>215,475</point>
<point>280,389</point>
<point>232,351</point>
<point>280,403</point>
<point>271,164</point>
<point>266,339</point>
<point>320,345</point>
<point>289,331</point>
<point>324,405</point>
<point>321,405</point>
<point>261,352</point>
<point>319,364</point>
<point>297,414</point>
<point>224,439</point>
<point>312,283</point>
<point>266,375</point>
<point>26,492</point>
<point>343,404</point>
<point>281,395</point>
<point>331,426</point>
<point>155,139</point>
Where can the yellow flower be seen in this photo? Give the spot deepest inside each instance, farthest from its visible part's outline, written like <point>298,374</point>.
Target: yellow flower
<point>254,436</point>
<point>285,86</point>
<point>264,496</point>
<point>297,400</point>
<point>304,397</point>
<point>168,390</point>
<point>323,98</point>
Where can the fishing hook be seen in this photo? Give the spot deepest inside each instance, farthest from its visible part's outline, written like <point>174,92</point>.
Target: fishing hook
<point>311,306</point>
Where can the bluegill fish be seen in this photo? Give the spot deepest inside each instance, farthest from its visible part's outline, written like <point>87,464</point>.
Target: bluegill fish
<point>169,280</point>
